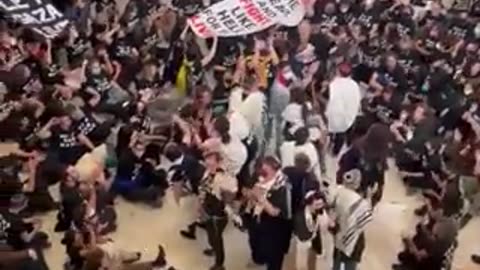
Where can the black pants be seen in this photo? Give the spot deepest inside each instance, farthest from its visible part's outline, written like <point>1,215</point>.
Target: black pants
<point>253,239</point>
<point>215,227</point>
<point>118,110</point>
<point>275,261</point>
<point>244,175</point>
<point>101,132</point>
<point>338,140</point>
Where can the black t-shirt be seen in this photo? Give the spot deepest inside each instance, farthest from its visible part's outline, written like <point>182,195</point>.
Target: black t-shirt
<point>78,48</point>
<point>397,77</point>
<point>14,227</point>
<point>431,19</point>
<point>189,170</point>
<point>122,48</point>
<point>475,9</point>
<point>301,183</point>
<point>368,18</point>
<point>331,21</point>
<point>370,54</point>
<point>386,110</point>
<point>423,132</point>
<point>430,44</point>
<point>66,145</point>
<point>100,83</point>
<point>220,98</point>
<point>86,125</point>
<point>363,73</point>
<point>437,247</point>
<point>64,139</point>
<point>461,28</point>
<point>408,59</point>
<point>372,173</point>
<point>142,83</point>
<point>322,45</point>
<point>383,5</point>
<point>71,199</point>
<point>129,165</point>
<point>188,7</point>
<point>142,122</point>
<point>452,201</point>
<point>156,45</point>
<point>227,52</point>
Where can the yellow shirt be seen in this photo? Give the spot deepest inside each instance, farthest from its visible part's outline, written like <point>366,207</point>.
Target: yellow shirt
<point>263,67</point>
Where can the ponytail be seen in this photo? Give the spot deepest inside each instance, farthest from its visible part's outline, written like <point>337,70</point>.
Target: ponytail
<point>225,137</point>
<point>222,127</point>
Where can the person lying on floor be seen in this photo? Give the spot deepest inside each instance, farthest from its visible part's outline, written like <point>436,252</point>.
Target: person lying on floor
<point>98,259</point>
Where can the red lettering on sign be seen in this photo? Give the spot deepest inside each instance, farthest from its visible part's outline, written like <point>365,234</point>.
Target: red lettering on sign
<point>199,26</point>
<point>254,13</point>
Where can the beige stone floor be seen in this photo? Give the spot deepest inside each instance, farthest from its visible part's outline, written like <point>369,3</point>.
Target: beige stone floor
<point>142,229</point>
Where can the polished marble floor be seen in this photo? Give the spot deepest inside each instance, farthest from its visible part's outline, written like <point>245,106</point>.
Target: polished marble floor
<point>142,229</point>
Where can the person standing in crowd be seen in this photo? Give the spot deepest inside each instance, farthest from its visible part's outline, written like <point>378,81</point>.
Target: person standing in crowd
<point>216,191</point>
<point>271,213</point>
<point>233,151</point>
<point>352,215</point>
<point>251,103</point>
<point>369,155</point>
<point>301,144</point>
<point>185,174</point>
<point>357,71</point>
<point>308,229</point>
<point>343,106</point>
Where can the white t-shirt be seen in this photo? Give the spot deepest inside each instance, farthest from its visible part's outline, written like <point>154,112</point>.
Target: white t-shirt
<point>234,153</point>
<point>288,151</point>
<point>293,115</point>
<point>239,127</point>
<point>343,105</point>
<point>253,108</point>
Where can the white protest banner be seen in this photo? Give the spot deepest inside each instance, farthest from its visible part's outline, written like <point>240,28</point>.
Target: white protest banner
<point>241,17</point>
<point>39,15</point>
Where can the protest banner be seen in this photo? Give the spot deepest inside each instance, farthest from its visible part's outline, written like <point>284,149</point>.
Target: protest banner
<point>40,15</point>
<point>242,17</point>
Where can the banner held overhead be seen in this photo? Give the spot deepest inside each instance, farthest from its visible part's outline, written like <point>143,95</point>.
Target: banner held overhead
<point>40,15</point>
<point>242,17</point>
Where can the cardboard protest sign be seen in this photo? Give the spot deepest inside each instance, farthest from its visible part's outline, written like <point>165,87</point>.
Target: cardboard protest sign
<point>241,17</point>
<point>40,15</point>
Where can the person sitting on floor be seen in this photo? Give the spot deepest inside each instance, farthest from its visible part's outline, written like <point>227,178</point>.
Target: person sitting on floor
<point>428,248</point>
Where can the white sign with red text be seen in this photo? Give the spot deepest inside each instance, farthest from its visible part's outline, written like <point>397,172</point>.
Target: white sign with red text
<point>242,17</point>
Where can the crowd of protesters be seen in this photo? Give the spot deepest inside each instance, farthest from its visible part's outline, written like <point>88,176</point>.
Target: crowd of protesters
<point>129,102</point>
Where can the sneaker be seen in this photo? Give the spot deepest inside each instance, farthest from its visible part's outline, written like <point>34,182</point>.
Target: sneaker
<point>208,252</point>
<point>253,265</point>
<point>475,258</point>
<point>216,267</point>
<point>421,211</point>
<point>134,259</point>
<point>398,266</point>
<point>188,234</point>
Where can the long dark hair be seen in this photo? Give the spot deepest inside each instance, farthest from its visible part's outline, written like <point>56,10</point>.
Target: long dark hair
<point>297,95</point>
<point>222,126</point>
<point>374,145</point>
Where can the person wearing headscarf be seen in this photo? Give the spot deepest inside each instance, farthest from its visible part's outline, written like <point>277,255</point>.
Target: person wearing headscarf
<point>269,215</point>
